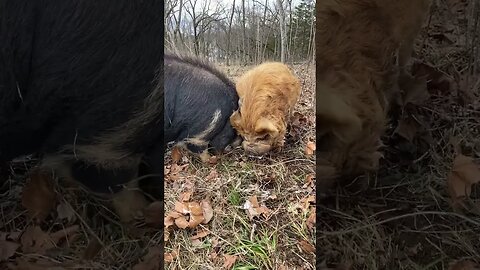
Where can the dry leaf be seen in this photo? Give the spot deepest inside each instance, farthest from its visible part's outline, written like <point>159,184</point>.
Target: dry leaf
<point>200,234</point>
<point>310,149</point>
<point>66,233</point>
<point>464,174</point>
<point>305,202</point>
<point>151,261</point>
<point>215,242</point>
<point>309,179</point>
<point>170,256</point>
<point>207,211</point>
<point>342,266</point>
<point>306,246</point>
<point>14,236</point>
<point>153,214</point>
<point>181,222</point>
<point>298,119</point>
<point>34,240</point>
<point>174,171</point>
<point>311,219</point>
<point>185,196</point>
<point>196,242</point>
<point>189,214</point>
<point>188,184</point>
<point>213,160</point>
<point>38,264</point>
<point>464,265</point>
<point>264,210</point>
<point>437,80</point>
<point>466,168</point>
<point>212,175</point>
<point>251,210</point>
<point>195,209</point>
<point>166,236</point>
<point>195,220</point>
<point>65,211</point>
<point>229,261</point>
<point>181,207</point>
<point>176,154</point>
<point>170,218</point>
<point>7,249</point>
<point>168,221</point>
<point>93,248</point>
<point>254,201</point>
<point>254,208</point>
<point>38,196</point>
<point>185,214</point>
<point>213,255</point>
<point>414,89</point>
<point>407,128</point>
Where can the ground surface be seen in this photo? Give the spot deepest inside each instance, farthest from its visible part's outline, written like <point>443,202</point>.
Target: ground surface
<point>404,218</point>
<point>280,234</point>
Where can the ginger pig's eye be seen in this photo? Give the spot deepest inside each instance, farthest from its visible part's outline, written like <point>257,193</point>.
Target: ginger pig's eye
<point>264,137</point>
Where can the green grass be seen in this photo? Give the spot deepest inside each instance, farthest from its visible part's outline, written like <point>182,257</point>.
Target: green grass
<point>234,197</point>
<point>257,249</point>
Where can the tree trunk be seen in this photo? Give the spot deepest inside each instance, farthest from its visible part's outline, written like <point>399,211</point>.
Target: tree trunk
<point>244,36</point>
<point>311,41</point>
<point>289,44</point>
<point>230,33</point>
<point>177,33</point>
<point>283,34</point>
<point>264,27</point>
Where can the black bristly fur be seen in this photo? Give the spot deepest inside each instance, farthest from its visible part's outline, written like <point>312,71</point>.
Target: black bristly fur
<point>75,72</point>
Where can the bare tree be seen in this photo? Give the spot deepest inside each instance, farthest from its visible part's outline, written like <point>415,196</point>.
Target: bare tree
<point>283,32</point>
<point>229,35</point>
<point>244,36</point>
<point>242,32</point>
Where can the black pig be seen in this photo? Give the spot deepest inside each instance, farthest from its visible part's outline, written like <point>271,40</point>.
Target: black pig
<point>199,101</point>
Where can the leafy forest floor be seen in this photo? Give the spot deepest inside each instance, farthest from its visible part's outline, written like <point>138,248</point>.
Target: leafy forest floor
<point>263,207</point>
<point>410,216</point>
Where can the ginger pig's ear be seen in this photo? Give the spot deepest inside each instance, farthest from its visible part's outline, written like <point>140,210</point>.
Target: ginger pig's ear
<point>336,116</point>
<point>265,125</point>
<point>235,119</point>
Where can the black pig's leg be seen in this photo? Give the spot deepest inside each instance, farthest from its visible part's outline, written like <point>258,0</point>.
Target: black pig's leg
<point>99,179</point>
<point>151,172</point>
<point>201,150</point>
<point>127,199</point>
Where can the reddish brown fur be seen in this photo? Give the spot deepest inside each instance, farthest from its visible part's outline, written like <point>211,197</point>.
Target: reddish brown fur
<point>267,95</point>
<point>357,41</point>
